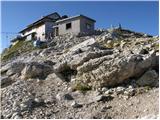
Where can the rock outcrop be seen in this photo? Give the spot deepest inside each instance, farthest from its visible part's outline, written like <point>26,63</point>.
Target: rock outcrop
<point>84,77</point>
<point>98,66</point>
<point>149,78</point>
<point>110,72</point>
<point>35,70</point>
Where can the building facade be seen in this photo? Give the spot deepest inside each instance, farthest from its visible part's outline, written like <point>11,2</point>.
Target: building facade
<point>41,29</point>
<point>54,25</point>
<point>75,25</point>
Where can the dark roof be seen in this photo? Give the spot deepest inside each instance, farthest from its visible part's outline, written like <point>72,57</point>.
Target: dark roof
<point>17,38</point>
<point>69,18</point>
<point>42,20</point>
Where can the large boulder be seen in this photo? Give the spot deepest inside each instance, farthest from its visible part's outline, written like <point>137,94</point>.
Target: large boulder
<point>149,78</point>
<point>16,68</point>
<point>36,70</point>
<point>81,53</point>
<point>98,66</point>
<point>89,42</point>
<point>110,70</point>
<point>12,68</point>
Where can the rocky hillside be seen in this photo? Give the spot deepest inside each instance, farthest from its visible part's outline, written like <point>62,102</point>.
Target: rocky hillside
<point>112,74</point>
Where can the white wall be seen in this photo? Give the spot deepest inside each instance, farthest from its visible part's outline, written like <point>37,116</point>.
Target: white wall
<point>40,30</point>
<point>75,27</point>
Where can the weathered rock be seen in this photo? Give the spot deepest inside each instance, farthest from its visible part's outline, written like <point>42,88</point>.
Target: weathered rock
<point>78,60</point>
<point>83,45</point>
<point>68,97</point>
<point>101,98</point>
<point>29,102</point>
<point>62,96</point>
<point>13,68</point>
<point>150,116</point>
<point>106,71</point>
<point>129,92</point>
<point>143,51</point>
<point>58,96</point>
<point>5,80</point>
<point>104,89</point>
<point>8,115</point>
<point>35,70</point>
<point>90,63</point>
<point>75,105</point>
<point>149,78</point>
<point>16,115</point>
<point>5,68</point>
<point>38,100</point>
<point>105,108</point>
<point>23,106</point>
<point>79,54</point>
<point>120,90</point>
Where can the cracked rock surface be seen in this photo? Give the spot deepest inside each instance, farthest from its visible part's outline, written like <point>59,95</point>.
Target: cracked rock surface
<point>112,74</point>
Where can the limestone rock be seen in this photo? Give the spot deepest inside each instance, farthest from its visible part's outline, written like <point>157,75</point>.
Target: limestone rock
<point>106,71</point>
<point>13,68</point>
<point>75,105</point>
<point>16,115</point>
<point>101,98</point>
<point>149,78</point>
<point>34,69</point>
<point>5,80</point>
<point>62,96</point>
<point>120,90</point>
<point>68,97</point>
<point>86,43</point>
<point>150,116</point>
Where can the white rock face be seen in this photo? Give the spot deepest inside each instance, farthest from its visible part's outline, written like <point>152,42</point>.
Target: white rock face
<point>100,67</point>
<point>34,69</point>
<point>150,116</point>
<point>39,89</point>
<point>75,105</point>
<point>86,43</point>
<point>105,71</point>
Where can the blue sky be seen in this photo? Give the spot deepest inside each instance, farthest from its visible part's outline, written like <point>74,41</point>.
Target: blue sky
<point>138,16</point>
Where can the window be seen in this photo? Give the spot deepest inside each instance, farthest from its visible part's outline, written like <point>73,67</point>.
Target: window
<point>68,26</point>
<point>88,26</point>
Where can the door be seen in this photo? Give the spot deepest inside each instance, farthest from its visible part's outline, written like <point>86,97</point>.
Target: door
<point>56,31</point>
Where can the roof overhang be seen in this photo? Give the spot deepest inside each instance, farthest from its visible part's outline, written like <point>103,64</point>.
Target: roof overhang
<point>74,17</point>
<point>40,21</point>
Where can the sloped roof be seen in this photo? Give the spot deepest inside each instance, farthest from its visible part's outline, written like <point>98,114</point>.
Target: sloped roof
<point>42,20</point>
<point>77,16</point>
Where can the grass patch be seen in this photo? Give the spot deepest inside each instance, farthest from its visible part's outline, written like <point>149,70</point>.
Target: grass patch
<point>156,46</point>
<point>112,44</point>
<point>17,49</point>
<point>81,87</point>
<point>66,50</point>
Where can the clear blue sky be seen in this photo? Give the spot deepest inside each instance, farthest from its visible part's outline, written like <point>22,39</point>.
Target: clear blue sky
<point>138,16</point>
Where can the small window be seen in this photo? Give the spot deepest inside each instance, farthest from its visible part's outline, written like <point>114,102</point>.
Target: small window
<point>88,26</point>
<point>68,26</point>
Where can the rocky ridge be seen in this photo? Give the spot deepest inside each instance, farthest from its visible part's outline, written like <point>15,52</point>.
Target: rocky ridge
<point>97,75</point>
